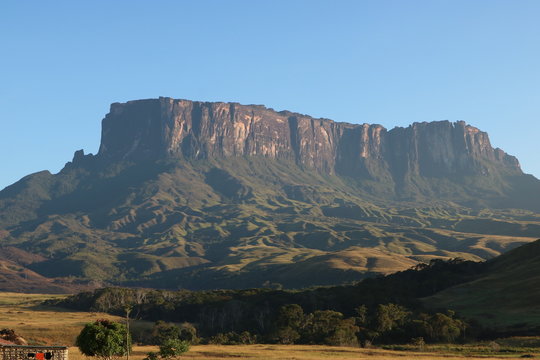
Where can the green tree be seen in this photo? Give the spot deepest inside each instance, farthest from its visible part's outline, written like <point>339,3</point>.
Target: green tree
<point>421,327</point>
<point>390,316</point>
<point>290,321</point>
<point>445,329</point>
<point>104,339</point>
<point>328,327</point>
<point>246,338</point>
<point>169,349</point>
<point>344,334</point>
<point>188,333</point>
<point>362,313</point>
<point>291,315</point>
<point>172,348</point>
<point>162,331</point>
<point>286,335</point>
<point>438,327</point>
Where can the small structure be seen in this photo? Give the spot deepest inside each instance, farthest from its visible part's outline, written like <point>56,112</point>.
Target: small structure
<point>30,352</point>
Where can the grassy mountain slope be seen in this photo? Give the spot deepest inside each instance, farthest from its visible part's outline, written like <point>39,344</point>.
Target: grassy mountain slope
<point>242,222</point>
<point>506,295</point>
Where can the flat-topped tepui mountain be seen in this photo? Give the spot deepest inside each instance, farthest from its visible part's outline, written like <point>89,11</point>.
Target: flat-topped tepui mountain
<point>204,195</point>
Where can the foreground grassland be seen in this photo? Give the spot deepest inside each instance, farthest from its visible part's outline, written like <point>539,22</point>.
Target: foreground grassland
<point>43,325</point>
<point>298,352</point>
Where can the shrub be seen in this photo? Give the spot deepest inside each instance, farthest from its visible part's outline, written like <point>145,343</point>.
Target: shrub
<point>172,348</point>
<point>162,331</point>
<point>418,342</point>
<point>169,349</point>
<point>286,335</point>
<point>233,338</point>
<point>188,333</point>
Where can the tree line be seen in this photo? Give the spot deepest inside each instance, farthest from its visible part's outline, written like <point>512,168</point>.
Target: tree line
<point>386,323</point>
<point>378,310</point>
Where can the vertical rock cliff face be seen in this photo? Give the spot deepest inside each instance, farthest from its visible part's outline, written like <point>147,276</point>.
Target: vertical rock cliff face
<point>442,149</point>
<point>166,127</point>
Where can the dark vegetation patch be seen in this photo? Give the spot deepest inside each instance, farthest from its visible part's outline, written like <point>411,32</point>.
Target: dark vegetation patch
<point>384,309</point>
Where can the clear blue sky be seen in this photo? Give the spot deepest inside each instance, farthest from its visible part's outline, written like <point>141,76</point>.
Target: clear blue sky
<point>389,62</point>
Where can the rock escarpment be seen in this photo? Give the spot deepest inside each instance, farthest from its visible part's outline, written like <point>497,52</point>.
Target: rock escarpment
<point>166,127</point>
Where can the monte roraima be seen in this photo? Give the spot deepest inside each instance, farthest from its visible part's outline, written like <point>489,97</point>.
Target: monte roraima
<point>198,195</point>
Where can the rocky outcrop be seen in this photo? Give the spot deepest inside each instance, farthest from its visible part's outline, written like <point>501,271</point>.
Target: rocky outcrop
<point>11,338</point>
<point>443,149</point>
<point>167,127</point>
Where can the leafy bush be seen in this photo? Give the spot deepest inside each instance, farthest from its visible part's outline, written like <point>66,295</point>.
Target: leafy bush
<point>188,333</point>
<point>162,331</point>
<point>169,349</point>
<point>233,338</point>
<point>328,327</point>
<point>172,348</point>
<point>285,335</point>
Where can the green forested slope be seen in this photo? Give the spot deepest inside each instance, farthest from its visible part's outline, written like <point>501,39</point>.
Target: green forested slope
<point>506,295</point>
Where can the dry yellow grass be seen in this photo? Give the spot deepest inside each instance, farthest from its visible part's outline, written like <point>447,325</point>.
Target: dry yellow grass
<point>41,325</point>
<point>287,352</point>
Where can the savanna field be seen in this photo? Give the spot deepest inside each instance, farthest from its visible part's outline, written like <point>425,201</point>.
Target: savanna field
<point>54,326</point>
